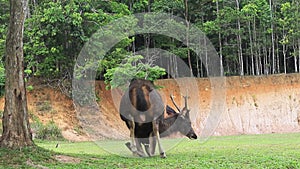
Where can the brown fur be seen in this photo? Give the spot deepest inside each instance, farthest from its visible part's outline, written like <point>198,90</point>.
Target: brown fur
<point>142,110</point>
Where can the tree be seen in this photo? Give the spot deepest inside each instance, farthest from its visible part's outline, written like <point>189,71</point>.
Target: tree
<point>133,67</point>
<point>57,30</point>
<point>187,22</point>
<point>220,41</point>
<point>289,22</point>
<point>16,128</point>
<point>239,39</point>
<point>273,37</point>
<point>285,21</point>
<point>253,37</point>
<point>296,33</point>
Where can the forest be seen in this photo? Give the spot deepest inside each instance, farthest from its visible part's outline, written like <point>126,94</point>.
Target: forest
<point>252,37</point>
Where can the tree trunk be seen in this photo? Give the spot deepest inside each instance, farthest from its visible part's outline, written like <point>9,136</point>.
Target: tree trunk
<point>251,49</point>
<point>187,36</point>
<point>257,49</point>
<point>198,59</point>
<point>295,59</point>
<point>299,54</point>
<point>284,57</point>
<point>220,43</point>
<point>272,38</point>
<point>239,40</point>
<point>206,58</point>
<point>277,60</point>
<point>284,48</point>
<point>16,129</point>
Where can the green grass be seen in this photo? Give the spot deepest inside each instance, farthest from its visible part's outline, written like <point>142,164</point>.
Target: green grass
<point>246,151</point>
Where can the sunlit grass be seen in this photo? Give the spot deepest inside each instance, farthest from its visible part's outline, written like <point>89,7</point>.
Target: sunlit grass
<point>245,151</point>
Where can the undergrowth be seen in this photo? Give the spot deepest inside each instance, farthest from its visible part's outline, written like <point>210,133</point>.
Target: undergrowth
<point>48,131</point>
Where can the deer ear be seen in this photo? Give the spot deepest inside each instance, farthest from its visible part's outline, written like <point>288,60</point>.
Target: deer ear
<point>170,111</point>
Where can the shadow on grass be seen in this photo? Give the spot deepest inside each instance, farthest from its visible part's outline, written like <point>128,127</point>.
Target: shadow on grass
<point>28,157</point>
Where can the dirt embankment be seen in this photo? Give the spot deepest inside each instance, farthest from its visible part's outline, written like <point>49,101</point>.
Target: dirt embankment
<point>47,104</point>
<point>252,105</point>
<point>258,105</point>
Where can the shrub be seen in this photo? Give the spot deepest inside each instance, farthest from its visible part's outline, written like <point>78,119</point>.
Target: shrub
<point>132,67</point>
<point>50,131</point>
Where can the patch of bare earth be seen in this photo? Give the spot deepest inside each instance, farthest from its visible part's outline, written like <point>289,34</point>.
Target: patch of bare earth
<point>38,166</point>
<point>67,159</point>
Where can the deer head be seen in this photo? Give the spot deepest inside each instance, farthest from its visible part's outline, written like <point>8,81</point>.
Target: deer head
<point>183,119</point>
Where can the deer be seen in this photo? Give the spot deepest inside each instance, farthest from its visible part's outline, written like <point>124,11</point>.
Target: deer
<point>177,122</point>
<point>142,109</point>
<point>174,122</point>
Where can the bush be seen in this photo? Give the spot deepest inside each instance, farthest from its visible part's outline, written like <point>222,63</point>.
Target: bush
<point>133,67</point>
<point>50,131</point>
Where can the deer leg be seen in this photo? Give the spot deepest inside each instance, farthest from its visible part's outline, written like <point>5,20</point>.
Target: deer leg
<point>156,133</point>
<point>139,147</point>
<point>132,138</point>
<point>150,146</point>
<point>152,143</point>
<point>145,142</point>
<point>147,148</point>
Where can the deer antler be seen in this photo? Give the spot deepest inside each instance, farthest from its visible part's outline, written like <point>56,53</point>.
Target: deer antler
<point>185,110</point>
<point>173,101</point>
<point>185,101</point>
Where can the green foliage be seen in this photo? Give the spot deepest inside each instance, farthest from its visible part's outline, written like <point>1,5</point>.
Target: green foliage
<point>130,69</point>
<point>117,54</point>
<point>50,34</point>
<point>175,6</point>
<point>4,18</point>
<point>50,131</point>
<point>56,31</point>
<point>30,88</point>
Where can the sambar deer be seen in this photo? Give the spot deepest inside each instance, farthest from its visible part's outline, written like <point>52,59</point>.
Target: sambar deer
<point>142,109</point>
<point>174,122</point>
<point>177,122</point>
<point>144,131</point>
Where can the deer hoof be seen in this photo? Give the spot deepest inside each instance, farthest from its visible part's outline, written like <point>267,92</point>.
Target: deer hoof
<point>163,155</point>
<point>141,154</point>
<point>130,147</point>
<point>133,149</point>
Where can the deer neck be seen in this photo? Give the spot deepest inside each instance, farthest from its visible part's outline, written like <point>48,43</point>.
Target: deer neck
<point>166,125</point>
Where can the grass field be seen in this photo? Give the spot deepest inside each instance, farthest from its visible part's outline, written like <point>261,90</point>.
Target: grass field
<point>246,151</point>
